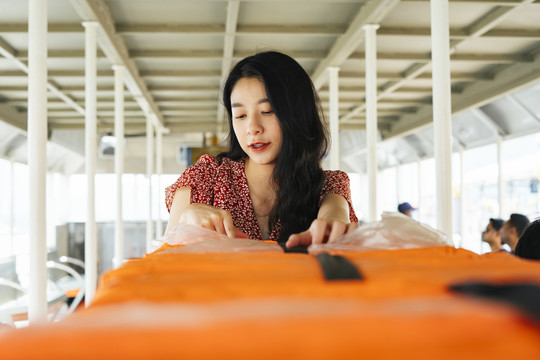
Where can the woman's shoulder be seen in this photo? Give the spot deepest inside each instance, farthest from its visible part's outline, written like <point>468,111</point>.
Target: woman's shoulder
<point>336,181</point>
<point>207,159</point>
<point>335,175</point>
<point>218,163</point>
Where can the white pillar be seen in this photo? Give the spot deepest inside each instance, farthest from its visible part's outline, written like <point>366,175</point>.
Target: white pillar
<point>119,163</point>
<point>500,179</point>
<point>398,198</point>
<point>159,171</point>
<point>442,113</point>
<point>37,158</point>
<point>419,201</point>
<point>11,191</point>
<point>90,237</point>
<point>462,198</point>
<point>333,84</point>
<point>371,117</point>
<point>149,171</point>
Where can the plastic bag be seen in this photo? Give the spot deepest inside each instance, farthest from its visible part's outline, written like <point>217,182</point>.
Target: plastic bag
<point>197,239</point>
<point>394,231</point>
<point>183,234</point>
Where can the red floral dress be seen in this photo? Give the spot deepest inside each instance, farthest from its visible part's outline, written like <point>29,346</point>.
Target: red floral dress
<point>225,186</point>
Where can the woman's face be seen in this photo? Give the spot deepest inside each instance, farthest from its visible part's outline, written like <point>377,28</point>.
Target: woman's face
<point>255,124</point>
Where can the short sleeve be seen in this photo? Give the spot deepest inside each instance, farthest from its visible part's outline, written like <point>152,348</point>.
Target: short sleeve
<point>200,177</point>
<point>337,182</point>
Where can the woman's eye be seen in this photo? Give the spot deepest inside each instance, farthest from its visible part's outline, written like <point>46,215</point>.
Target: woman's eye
<point>240,116</point>
<point>268,112</point>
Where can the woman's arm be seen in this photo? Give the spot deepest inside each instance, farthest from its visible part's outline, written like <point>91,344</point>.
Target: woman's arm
<point>334,207</point>
<point>332,222</point>
<point>180,202</point>
<point>206,216</point>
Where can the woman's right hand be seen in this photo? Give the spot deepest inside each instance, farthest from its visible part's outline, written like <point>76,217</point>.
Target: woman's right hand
<point>211,218</point>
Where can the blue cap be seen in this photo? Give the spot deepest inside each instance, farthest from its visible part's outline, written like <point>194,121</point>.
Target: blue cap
<point>405,207</point>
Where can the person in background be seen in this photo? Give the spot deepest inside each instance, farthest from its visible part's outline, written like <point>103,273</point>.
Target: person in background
<point>406,209</point>
<point>528,246</point>
<point>512,230</point>
<point>492,234</point>
<point>269,184</point>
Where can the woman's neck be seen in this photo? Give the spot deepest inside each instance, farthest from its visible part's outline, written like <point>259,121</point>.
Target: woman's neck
<point>258,173</point>
<point>262,193</point>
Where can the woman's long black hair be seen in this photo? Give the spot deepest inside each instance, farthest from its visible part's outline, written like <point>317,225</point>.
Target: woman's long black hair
<point>298,176</point>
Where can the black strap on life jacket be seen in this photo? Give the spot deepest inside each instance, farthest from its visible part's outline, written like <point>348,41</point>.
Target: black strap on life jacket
<point>296,249</point>
<point>524,296</point>
<point>334,267</point>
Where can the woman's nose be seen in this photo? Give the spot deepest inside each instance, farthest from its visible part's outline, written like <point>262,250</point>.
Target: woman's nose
<point>254,126</point>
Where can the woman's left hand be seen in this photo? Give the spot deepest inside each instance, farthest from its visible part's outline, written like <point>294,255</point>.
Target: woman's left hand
<point>321,231</point>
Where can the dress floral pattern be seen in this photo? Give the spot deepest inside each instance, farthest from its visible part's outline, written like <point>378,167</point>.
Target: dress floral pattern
<point>225,186</point>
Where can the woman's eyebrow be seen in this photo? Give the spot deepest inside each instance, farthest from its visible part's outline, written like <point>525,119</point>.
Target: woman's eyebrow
<point>262,101</point>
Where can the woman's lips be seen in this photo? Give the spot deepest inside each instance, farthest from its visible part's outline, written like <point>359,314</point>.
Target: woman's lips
<point>258,146</point>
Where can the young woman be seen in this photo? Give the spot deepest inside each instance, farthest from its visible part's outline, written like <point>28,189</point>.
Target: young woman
<point>270,184</point>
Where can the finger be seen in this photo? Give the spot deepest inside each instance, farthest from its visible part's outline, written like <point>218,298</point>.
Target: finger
<point>318,231</point>
<point>300,239</point>
<point>217,222</point>
<point>205,223</point>
<point>338,229</point>
<point>351,227</point>
<point>228,225</point>
<point>240,234</point>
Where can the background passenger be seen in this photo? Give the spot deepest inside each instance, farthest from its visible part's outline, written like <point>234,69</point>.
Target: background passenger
<point>492,234</point>
<point>512,230</point>
<point>406,209</point>
<point>528,246</point>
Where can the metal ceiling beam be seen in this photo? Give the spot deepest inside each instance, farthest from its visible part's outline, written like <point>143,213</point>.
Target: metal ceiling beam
<point>459,33</point>
<point>228,54</point>
<point>477,94</point>
<point>522,106</point>
<point>6,142</point>
<point>476,57</point>
<point>490,20</point>
<point>56,73</point>
<point>213,29</point>
<point>117,52</point>
<point>488,121</point>
<point>210,55</point>
<point>299,55</point>
<point>371,13</point>
<point>61,54</point>
<point>208,126</point>
<point>456,76</point>
<point>159,29</point>
<point>183,127</point>
<point>295,30</point>
<point>216,55</point>
<point>489,2</point>
<point>11,116</point>
<point>476,29</point>
<point>358,89</point>
<point>180,74</point>
<point>513,34</point>
<point>11,54</point>
<point>109,73</point>
<point>255,30</point>
<point>355,76</point>
<point>22,28</point>
<point>108,101</point>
